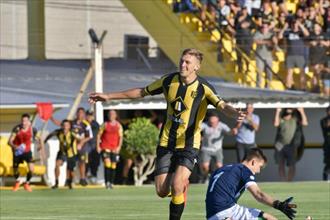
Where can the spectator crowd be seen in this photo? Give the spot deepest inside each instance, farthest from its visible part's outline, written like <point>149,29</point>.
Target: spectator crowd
<point>300,28</point>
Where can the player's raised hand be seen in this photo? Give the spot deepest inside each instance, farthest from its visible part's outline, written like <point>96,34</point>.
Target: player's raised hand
<point>286,207</point>
<point>97,97</point>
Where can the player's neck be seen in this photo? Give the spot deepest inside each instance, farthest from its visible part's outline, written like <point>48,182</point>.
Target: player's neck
<point>188,79</point>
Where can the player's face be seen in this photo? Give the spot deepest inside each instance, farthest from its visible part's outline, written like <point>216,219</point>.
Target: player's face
<point>25,122</point>
<point>213,121</point>
<point>81,115</point>
<point>66,127</point>
<point>189,65</point>
<point>257,165</point>
<point>112,115</point>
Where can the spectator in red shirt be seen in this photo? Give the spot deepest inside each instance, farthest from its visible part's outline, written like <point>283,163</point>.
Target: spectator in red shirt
<point>109,141</point>
<point>20,141</point>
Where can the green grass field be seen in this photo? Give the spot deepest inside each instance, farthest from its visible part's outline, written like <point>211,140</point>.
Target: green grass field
<point>313,198</point>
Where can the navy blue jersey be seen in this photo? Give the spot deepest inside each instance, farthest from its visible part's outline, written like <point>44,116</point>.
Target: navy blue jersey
<point>226,185</point>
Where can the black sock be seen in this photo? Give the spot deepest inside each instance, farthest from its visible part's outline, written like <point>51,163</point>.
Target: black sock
<point>112,175</point>
<point>56,182</point>
<point>28,176</point>
<point>16,173</point>
<point>106,174</point>
<point>176,211</point>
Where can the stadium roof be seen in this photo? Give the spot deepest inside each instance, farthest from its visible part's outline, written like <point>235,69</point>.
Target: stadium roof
<point>58,81</point>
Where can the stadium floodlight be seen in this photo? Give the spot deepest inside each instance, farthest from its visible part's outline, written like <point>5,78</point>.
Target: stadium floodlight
<point>93,36</point>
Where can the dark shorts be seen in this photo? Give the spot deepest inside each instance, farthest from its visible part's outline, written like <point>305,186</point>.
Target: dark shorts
<point>295,61</point>
<point>21,158</point>
<point>114,158</point>
<point>168,159</point>
<point>83,156</point>
<point>71,161</point>
<point>287,154</point>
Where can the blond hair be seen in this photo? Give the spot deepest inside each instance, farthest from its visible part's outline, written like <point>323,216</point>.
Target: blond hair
<point>193,52</point>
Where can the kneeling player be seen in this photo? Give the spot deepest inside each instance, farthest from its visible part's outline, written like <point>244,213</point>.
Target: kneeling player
<point>67,151</point>
<point>109,141</point>
<point>228,183</point>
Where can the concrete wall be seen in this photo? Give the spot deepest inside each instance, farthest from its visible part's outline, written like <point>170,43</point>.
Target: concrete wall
<point>66,28</point>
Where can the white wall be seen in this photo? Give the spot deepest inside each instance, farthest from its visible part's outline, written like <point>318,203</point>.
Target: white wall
<point>66,28</point>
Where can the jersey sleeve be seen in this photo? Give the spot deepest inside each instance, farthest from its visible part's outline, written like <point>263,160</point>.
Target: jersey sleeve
<point>212,96</point>
<point>88,130</point>
<point>225,127</point>
<point>15,130</point>
<point>248,178</point>
<point>155,88</point>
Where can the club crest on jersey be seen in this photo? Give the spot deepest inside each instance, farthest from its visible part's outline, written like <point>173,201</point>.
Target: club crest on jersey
<point>193,94</point>
<point>178,106</point>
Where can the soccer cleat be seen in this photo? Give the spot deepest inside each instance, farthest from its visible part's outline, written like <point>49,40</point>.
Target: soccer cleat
<point>83,182</point>
<point>27,187</point>
<point>108,185</point>
<point>55,186</point>
<point>16,186</point>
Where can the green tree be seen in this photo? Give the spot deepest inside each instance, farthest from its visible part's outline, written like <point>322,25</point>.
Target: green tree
<point>141,139</point>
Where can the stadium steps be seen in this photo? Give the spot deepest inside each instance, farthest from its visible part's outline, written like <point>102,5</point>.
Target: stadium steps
<point>172,36</point>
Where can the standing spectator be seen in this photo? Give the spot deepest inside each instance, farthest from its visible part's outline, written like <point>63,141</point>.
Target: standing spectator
<point>109,141</point>
<point>279,5</point>
<point>67,151</point>
<point>325,75</point>
<point>266,15</point>
<point>318,54</point>
<point>80,126</point>
<point>245,132</point>
<point>325,125</point>
<point>295,51</point>
<point>222,13</point>
<point>286,147</point>
<point>265,41</point>
<point>20,141</point>
<point>213,134</point>
<point>208,5</point>
<point>243,27</point>
<point>93,155</point>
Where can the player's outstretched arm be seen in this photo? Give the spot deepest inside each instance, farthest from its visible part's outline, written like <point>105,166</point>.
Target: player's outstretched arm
<point>262,197</point>
<point>232,112</point>
<point>127,94</point>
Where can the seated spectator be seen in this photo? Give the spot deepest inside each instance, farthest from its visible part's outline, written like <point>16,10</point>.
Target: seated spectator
<point>208,5</point>
<point>278,6</point>
<point>318,49</point>
<point>184,6</point>
<point>265,41</point>
<point>295,35</point>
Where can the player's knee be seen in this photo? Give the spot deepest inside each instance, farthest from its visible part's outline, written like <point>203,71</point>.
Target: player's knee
<point>161,193</point>
<point>177,186</point>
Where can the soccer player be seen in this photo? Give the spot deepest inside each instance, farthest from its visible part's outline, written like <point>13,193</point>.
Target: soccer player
<point>227,184</point>
<point>109,141</point>
<point>188,96</point>
<point>67,151</point>
<point>20,141</point>
<point>82,127</point>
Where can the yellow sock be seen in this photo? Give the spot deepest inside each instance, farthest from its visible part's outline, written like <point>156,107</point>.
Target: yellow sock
<point>107,164</point>
<point>113,165</point>
<point>177,200</point>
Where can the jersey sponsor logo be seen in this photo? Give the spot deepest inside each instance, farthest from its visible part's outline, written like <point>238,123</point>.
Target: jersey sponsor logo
<point>252,177</point>
<point>178,106</point>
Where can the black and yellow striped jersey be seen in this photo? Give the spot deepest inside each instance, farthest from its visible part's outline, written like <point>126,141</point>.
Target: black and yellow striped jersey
<point>186,109</point>
<point>68,142</point>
